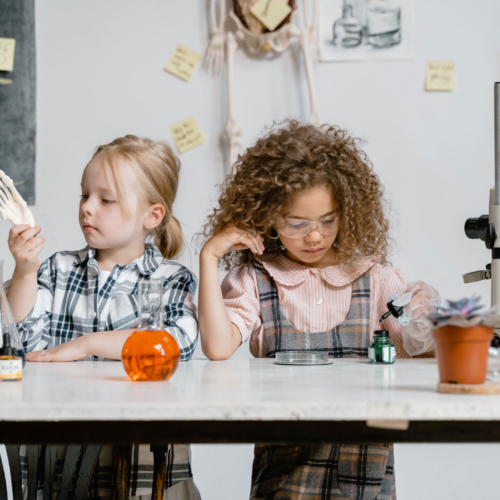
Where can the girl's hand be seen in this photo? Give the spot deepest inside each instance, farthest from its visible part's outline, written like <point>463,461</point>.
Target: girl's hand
<point>25,246</point>
<point>69,351</point>
<point>233,238</point>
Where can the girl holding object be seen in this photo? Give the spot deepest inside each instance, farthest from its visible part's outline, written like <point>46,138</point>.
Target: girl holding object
<point>301,225</point>
<point>84,303</point>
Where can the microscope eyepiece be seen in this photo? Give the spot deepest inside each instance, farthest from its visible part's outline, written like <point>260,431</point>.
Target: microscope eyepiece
<point>475,227</point>
<point>479,228</point>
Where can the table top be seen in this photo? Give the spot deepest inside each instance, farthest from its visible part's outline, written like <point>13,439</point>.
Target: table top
<point>240,390</point>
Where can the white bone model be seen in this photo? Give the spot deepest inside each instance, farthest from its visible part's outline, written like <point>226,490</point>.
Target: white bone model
<point>12,205</point>
<point>257,41</point>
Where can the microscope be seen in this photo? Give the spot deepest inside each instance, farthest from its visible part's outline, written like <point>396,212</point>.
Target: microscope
<point>485,228</point>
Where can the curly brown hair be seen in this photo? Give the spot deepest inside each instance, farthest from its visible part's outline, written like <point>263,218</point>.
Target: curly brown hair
<point>289,159</point>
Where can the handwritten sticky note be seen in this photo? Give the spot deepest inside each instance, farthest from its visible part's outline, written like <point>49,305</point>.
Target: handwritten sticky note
<point>440,75</point>
<point>7,48</point>
<point>183,62</point>
<point>187,134</point>
<point>270,12</point>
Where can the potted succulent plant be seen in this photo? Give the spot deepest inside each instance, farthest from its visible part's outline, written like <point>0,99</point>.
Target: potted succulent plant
<point>463,333</point>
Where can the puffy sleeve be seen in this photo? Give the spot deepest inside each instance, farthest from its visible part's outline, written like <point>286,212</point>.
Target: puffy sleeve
<point>388,281</point>
<point>416,336</point>
<point>241,299</point>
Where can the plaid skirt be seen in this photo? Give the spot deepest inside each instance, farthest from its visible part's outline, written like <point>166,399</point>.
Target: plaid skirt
<point>323,472</point>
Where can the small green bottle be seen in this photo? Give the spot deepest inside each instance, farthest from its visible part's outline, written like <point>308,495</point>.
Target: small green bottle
<point>381,350</point>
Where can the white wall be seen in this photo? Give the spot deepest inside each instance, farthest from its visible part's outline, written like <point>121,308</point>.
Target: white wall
<point>100,76</point>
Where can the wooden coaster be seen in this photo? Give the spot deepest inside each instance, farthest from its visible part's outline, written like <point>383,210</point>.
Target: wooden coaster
<point>486,388</point>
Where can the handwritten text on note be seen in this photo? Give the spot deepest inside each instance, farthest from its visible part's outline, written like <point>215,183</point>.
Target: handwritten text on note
<point>183,62</point>
<point>440,75</point>
<point>187,134</point>
<point>7,48</point>
<point>270,13</point>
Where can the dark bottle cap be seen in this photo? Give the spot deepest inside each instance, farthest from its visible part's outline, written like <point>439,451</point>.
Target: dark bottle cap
<point>7,349</point>
<point>396,311</point>
<point>381,333</point>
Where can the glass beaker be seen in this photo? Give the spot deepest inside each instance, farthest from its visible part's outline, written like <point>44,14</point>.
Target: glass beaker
<point>150,353</point>
<point>7,323</point>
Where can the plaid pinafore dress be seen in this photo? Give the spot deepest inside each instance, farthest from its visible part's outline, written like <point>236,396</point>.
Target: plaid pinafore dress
<point>321,471</point>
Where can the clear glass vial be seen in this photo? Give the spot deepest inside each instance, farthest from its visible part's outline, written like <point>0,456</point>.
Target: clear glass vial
<point>8,325</point>
<point>347,31</point>
<point>383,23</point>
<point>381,350</point>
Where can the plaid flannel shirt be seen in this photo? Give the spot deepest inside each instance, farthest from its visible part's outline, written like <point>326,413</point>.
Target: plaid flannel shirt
<point>70,304</point>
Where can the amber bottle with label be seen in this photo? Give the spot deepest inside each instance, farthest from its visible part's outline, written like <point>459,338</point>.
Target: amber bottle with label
<point>11,365</point>
<point>150,353</point>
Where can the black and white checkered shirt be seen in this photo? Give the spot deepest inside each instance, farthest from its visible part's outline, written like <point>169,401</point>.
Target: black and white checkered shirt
<point>71,303</point>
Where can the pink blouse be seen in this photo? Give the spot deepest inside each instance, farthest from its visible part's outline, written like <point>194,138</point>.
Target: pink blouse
<point>313,300</point>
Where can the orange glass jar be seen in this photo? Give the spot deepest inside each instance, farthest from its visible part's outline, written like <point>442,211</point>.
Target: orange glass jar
<point>150,353</point>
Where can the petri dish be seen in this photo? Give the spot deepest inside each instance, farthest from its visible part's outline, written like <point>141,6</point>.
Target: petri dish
<point>303,358</point>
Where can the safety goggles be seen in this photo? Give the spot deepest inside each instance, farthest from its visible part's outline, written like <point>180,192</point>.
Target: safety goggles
<point>300,228</point>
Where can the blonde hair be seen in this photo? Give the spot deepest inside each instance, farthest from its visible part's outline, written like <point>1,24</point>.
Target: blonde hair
<point>157,170</point>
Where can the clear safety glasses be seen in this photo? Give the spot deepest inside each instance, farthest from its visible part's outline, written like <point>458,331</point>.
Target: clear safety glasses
<point>300,228</point>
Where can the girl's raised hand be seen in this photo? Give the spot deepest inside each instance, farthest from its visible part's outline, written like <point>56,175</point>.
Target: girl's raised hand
<point>25,246</point>
<point>233,238</point>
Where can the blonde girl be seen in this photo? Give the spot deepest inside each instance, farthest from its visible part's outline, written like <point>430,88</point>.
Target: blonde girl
<point>82,304</point>
<point>301,225</point>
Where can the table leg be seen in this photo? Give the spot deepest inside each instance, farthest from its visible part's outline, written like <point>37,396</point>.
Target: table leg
<point>4,466</point>
<point>15,470</point>
<point>33,452</point>
<point>122,457</point>
<point>159,471</point>
<point>90,457</point>
<point>70,461</point>
<point>47,464</point>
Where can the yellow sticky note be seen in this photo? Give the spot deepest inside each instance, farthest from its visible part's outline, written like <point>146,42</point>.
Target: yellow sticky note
<point>183,62</point>
<point>7,48</point>
<point>270,12</point>
<point>187,134</point>
<point>440,75</point>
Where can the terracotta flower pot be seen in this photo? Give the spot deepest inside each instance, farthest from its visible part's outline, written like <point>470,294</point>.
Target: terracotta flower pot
<point>462,353</point>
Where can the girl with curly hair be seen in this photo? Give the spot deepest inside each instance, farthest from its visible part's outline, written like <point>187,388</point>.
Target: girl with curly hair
<point>302,222</point>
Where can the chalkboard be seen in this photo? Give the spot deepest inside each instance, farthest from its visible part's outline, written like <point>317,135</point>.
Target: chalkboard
<point>18,98</point>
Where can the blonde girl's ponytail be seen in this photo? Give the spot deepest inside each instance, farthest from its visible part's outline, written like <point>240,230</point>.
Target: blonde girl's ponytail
<point>157,170</point>
<point>169,238</point>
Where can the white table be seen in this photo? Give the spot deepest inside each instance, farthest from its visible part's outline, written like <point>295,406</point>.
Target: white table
<point>242,400</point>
